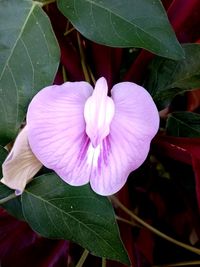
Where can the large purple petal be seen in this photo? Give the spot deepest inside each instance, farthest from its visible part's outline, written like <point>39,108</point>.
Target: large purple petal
<point>135,123</point>
<point>56,130</point>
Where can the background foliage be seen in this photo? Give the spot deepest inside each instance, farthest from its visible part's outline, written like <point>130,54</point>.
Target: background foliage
<point>43,43</point>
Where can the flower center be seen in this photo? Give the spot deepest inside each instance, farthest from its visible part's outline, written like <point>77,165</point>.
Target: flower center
<point>98,113</point>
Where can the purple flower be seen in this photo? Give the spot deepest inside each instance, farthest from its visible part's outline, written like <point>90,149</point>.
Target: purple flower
<point>86,136</point>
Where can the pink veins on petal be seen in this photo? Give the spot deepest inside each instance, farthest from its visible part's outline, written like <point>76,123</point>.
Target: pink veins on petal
<point>86,136</point>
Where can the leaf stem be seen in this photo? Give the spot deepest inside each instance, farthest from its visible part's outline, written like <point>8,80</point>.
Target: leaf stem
<point>103,262</point>
<point>82,258</point>
<point>6,199</point>
<point>83,62</point>
<point>152,229</point>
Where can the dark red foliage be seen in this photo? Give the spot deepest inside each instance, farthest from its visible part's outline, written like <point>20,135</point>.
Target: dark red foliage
<point>21,247</point>
<point>193,100</point>
<point>70,56</point>
<point>185,19</point>
<point>139,68</point>
<point>186,150</point>
<point>106,62</point>
<point>170,204</point>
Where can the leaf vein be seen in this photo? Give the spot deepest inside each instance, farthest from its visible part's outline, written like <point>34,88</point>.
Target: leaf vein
<point>75,219</point>
<point>18,38</point>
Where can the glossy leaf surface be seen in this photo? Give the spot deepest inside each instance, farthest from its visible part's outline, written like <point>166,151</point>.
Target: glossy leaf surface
<point>56,210</point>
<point>168,78</point>
<point>127,23</point>
<point>184,124</point>
<point>29,57</point>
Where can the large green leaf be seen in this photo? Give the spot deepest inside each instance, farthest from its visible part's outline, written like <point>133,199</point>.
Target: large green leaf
<point>127,23</point>
<point>183,124</point>
<point>29,57</point>
<point>168,78</point>
<point>56,210</point>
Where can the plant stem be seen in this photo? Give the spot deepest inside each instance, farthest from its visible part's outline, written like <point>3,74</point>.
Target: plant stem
<point>83,63</point>
<point>103,262</point>
<point>68,31</point>
<point>6,199</point>
<point>91,75</point>
<point>152,229</point>
<point>127,221</point>
<point>44,3</point>
<point>186,263</point>
<point>82,258</point>
<point>64,74</point>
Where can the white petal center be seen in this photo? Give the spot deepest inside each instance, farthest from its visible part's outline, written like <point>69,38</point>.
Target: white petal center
<point>93,155</point>
<point>98,113</point>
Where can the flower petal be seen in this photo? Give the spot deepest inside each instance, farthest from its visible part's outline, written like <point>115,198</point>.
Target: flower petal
<point>56,130</point>
<point>21,165</point>
<point>135,123</point>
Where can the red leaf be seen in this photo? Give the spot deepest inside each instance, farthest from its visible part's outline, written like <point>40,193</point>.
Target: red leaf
<point>193,100</point>
<point>106,61</point>
<point>186,150</point>
<point>185,19</point>
<point>138,69</point>
<point>126,231</point>
<point>20,246</point>
<point>145,244</point>
<point>70,57</point>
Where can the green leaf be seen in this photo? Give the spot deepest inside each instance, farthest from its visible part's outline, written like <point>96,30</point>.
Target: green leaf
<point>29,58</point>
<point>13,206</point>
<point>127,23</point>
<point>168,78</point>
<point>5,191</point>
<point>183,124</point>
<point>56,210</point>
